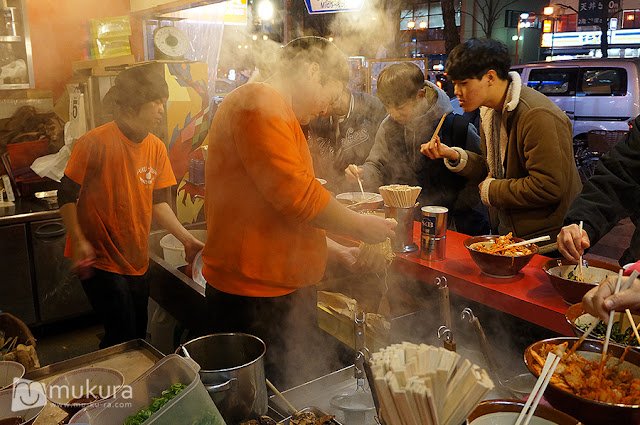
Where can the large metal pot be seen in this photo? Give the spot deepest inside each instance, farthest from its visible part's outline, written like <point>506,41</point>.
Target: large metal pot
<point>232,371</point>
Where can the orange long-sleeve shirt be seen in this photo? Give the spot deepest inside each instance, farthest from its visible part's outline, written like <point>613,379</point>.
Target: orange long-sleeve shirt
<point>261,194</point>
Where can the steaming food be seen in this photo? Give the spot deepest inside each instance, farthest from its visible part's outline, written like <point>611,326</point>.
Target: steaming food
<point>262,420</point>
<point>579,376</point>
<point>310,418</point>
<point>499,247</point>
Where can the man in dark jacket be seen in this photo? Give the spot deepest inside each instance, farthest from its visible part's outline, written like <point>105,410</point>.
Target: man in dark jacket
<point>415,108</point>
<point>343,136</point>
<point>611,194</point>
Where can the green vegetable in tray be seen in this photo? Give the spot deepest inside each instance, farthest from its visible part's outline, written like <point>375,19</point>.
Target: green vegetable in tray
<point>155,405</point>
<point>600,331</point>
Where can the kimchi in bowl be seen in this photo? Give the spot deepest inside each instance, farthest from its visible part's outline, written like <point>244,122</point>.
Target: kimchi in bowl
<point>497,263</point>
<point>578,401</point>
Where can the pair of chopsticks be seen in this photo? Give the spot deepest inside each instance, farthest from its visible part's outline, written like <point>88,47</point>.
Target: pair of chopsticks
<point>580,261</point>
<point>619,288</point>
<point>354,169</point>
<point>529,241</point>
<point>531,405</point>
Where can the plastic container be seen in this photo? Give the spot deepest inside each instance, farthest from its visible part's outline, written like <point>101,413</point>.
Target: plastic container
<point>191,405</point>
<point>173,250</point>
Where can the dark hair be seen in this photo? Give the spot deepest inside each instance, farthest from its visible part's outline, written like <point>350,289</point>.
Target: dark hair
<point>476,56</point>
<point>305,50</point>
<point>136,86</point>
<point>399,82</point>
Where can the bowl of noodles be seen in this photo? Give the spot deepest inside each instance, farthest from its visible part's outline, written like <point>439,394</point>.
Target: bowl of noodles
<point>570,283</point>
<point>494,259</point>
<point>576,388</point>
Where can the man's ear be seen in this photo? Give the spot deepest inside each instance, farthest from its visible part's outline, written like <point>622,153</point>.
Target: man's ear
<point>492,76</point>
<point>420,94</point>
<point>314,70</point>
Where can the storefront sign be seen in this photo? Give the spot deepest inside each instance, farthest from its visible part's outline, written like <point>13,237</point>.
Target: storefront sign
<point>587,38</point>
<point>332,6</point>
<point>590,12</point>
<point>236,12</point>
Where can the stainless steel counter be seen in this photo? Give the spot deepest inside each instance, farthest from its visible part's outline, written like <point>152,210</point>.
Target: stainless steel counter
<point>26,210</point>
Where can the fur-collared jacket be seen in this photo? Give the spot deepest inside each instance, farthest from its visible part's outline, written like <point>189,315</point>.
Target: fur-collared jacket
<point>527,168</point>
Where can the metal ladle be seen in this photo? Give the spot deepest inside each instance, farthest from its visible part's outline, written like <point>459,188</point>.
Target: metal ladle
<point>516,386</point>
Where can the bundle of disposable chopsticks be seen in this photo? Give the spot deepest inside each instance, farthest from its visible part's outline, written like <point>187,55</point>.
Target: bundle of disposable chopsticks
<point>400,195</point>
<point>425,385</point>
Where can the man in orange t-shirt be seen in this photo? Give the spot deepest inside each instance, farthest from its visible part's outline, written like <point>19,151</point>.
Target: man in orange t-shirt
<point>117,178</point>
<point>267,214</point>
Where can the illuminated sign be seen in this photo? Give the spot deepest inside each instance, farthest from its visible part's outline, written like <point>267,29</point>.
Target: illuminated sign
<point>546,26</point>
<point>235,12</point>
<point>588,38</point>
<point>332,6</point>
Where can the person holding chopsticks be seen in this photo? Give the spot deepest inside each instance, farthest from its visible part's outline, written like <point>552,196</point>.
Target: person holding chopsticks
<point>416,108</point>
<point>526,173</point>
<point>266,213</point>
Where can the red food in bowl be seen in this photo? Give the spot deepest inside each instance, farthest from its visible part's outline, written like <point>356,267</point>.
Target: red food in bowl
<point>588,411</point>
<point>495,265</point>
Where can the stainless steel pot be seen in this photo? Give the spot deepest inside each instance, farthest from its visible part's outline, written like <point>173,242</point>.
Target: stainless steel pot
<point>232,371</point>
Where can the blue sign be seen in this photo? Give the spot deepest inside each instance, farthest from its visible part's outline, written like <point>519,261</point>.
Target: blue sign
<point>333,6</point>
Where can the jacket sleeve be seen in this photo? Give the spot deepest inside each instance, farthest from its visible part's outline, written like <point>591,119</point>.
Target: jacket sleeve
<point>613,192</point>
<point>548,165</point>
<point>373,167</point>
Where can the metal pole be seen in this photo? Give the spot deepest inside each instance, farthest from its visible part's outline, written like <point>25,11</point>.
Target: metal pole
<point>553,33</point>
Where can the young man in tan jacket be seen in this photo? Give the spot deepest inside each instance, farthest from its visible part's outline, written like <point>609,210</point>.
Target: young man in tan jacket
<point>527,175</point>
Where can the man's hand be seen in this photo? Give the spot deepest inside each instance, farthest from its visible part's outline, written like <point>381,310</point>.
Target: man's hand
<point>352,173</point>
<point>435,149</point>
<point>84,257</point>
<point>600,300</point>
<point>191,248</point>
<point>572,243</point>
<point>489,176</point>
<point>374,229</point>
<point>356,261</point>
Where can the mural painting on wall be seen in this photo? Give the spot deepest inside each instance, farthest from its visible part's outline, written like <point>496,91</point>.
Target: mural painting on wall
<point>188,127</point>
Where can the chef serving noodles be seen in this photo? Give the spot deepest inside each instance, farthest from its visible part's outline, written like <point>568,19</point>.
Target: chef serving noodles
<point>266,213</point>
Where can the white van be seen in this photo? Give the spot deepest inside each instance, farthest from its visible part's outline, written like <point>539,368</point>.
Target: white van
<point>596,94</point>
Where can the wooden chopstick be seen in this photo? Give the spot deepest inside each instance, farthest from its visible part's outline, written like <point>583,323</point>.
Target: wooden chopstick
<point>529,241</point>
<point>609,326</point>
<point>633,325</point>
<point>279,394</point>
<point>435,133</point>
<point>582,338</point>
<point>580,263</point>
<point>531,405</point>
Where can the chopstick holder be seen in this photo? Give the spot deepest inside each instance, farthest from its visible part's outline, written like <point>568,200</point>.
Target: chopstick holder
<point>531,405</point>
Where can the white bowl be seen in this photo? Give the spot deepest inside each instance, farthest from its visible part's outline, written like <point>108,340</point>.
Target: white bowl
<point>322,181</point>
<point>28,415</point>
<point>8,372</point>
<point>102,382</point>
<point>373,200</point>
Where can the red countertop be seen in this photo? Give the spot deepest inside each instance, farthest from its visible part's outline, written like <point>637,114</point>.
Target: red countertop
<point>529,295</point>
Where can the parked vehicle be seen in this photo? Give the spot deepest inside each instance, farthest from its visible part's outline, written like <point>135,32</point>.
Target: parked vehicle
<point>601,97</point>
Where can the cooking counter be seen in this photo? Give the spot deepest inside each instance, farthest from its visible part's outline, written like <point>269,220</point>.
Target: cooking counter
<point>529,295</point>
<point>26,210</point>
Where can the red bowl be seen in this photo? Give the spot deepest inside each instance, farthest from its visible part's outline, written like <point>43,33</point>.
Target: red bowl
<point>572,291</point>
<point>589,412</point>
<point>494,265</point>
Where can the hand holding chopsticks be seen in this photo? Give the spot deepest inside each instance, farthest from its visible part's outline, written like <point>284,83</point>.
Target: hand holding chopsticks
<point>531,405</point>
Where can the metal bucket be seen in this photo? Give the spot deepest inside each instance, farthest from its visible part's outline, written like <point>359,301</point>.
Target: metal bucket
<point>232,371</point>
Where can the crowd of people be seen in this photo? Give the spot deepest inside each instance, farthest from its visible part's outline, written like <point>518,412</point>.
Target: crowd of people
<point>268,215</point>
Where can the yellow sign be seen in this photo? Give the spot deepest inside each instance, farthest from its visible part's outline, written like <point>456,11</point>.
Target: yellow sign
<point>236,12</point>
<point>546,26</point>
